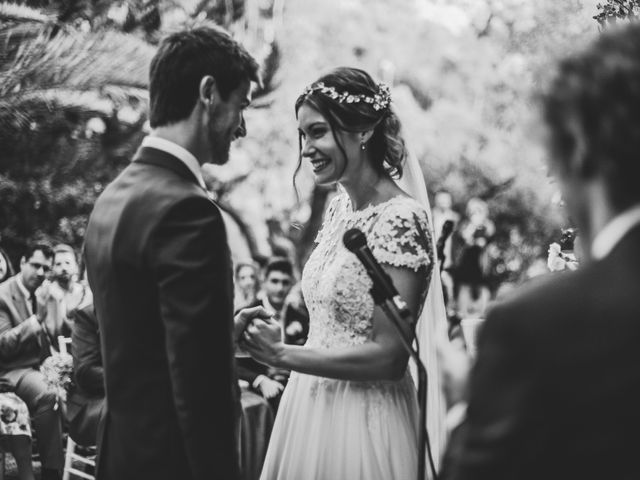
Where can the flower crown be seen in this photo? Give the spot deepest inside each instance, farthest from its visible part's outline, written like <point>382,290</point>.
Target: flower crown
<point>379,101</point>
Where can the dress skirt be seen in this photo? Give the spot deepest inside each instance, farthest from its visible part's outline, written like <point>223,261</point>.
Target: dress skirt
<point>330,429</point>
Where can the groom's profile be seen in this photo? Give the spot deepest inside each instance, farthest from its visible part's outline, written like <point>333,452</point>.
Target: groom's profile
<point>159,266</point>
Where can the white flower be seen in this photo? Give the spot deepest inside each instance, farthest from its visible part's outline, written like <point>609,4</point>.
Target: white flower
<point>128,115</point>
<point>555,262</point>
<point>95,125</point>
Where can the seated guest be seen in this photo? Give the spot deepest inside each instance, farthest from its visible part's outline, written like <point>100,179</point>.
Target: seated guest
<point>86,399</point>
<point>28,322</point>
<point>15,430</point>
<point>66,275</point>
<point>278,281</point>
<point>246,283</point>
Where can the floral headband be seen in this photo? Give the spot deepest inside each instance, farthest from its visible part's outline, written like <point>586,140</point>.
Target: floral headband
<point>379,101</point>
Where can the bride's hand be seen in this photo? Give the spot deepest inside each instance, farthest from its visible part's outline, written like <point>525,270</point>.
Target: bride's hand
<point>263,340</point>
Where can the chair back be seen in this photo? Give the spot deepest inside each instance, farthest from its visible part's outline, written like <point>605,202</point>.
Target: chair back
<point>63,342</point>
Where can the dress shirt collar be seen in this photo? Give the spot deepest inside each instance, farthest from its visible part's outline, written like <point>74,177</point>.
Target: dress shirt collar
<point>613,232</point>
<point>268,306</point>
<point>280,316</point>
<point>177,151</point>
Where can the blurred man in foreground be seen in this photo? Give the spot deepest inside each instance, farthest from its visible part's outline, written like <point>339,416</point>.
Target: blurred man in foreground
<point>555,390</point>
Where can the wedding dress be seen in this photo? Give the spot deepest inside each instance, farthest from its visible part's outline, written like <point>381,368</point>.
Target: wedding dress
<point>328,429</point>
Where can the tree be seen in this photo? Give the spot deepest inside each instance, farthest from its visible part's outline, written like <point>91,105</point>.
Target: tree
<point>72,104</point>
<point>73,101</point>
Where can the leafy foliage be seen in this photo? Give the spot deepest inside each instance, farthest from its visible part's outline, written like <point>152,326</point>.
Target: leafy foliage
<point>464,91</point>
<point>615,10</point>
<point>73,102</point>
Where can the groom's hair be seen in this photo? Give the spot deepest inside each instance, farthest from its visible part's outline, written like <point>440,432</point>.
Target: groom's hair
<point>592,109</point>
<point>183,59</point>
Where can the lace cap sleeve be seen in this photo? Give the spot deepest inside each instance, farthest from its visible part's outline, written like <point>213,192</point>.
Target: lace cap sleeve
<point>329,217</point>
<point>402,236</point>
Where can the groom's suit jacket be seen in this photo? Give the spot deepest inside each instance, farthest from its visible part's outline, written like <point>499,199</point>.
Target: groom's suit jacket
<point>555,392</point>
<point>160,270</point>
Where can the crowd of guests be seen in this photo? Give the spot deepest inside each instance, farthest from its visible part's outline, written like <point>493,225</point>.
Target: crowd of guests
<point>480,262</point>
<point>47,299</point>
<point>463,242</point>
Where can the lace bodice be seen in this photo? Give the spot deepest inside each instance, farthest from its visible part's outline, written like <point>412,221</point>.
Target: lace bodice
<point>334,282</point>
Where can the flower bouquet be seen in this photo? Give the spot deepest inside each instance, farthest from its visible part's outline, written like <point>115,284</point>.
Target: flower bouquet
<point>58,373</point>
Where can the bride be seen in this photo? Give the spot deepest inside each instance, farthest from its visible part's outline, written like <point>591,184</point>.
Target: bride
<point>350,410</point>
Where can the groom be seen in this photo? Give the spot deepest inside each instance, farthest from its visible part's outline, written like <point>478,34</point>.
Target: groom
<point>159,267</point>
<point>555,391</point>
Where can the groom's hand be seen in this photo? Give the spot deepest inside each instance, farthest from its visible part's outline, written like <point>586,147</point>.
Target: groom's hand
<point>245,316</point>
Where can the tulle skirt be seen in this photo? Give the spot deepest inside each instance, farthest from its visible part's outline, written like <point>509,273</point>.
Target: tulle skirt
<point>330,429</point>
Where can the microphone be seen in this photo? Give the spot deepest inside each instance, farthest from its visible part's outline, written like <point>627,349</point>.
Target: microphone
<point>383,289</point>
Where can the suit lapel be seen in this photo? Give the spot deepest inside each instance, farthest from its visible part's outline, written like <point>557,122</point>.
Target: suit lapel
<point>19,301</point>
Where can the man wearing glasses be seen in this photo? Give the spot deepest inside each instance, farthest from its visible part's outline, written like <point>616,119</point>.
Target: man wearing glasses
<point>28,321</point>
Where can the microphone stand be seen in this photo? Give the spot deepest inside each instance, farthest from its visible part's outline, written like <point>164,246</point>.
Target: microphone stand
<point>397,311</point>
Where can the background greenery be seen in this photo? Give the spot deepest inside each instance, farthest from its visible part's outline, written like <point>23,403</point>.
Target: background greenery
<point>464,74</point>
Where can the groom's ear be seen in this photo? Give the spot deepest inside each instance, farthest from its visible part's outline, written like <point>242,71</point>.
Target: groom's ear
<point>208,90</point>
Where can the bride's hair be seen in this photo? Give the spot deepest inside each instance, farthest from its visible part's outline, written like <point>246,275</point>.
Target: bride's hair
<point>368,108</point>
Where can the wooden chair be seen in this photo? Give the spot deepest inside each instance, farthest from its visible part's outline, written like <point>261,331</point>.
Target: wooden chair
<point>63,342</point>
<point>71,454</point>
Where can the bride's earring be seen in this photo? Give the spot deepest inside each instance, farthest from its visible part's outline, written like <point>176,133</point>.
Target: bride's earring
<point>363,146</point>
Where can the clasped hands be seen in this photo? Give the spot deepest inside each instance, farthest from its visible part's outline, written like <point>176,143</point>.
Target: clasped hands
<point>50,308</point>
<point>259,334</point>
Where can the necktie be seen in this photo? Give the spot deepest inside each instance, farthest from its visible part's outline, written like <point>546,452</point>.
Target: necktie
<point>34,304</point>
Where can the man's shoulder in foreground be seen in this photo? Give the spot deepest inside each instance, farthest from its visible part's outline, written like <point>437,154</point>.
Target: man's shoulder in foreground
<point>558,302</point>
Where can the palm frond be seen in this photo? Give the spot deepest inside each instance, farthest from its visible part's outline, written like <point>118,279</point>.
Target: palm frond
<point>12,12</point>
<point>22,111</point>
<point>25,111</point>
<point>72,60</point>
<point>82,61</point>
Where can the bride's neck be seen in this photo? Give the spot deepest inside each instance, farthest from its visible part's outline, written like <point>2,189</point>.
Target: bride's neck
<point>369,189</point>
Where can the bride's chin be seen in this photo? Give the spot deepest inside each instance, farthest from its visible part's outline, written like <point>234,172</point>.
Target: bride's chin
<point>323,181</point>
<point>325,177</point>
